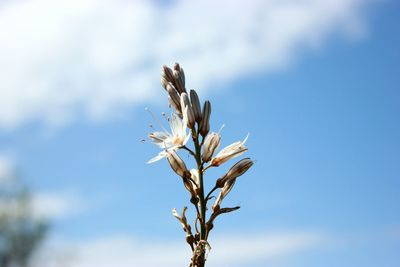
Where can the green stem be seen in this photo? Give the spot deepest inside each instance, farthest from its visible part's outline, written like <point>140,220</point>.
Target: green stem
<point>202,201</point>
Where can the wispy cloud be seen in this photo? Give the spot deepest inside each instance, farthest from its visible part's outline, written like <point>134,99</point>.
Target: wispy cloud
<point>61,59</point>
<point>57,205</point>
<point>6,168</point>
<point>46,204</point>
<point>125,251</point>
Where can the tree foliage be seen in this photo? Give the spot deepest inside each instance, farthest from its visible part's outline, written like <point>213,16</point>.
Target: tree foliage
<point>21,232</point>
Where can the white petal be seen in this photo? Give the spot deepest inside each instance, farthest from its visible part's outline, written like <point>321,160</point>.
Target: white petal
<point>186,139</point>
<point>159,136</point>
<point>229,148</point>
<point>176,124</point>
<point>160,155</point>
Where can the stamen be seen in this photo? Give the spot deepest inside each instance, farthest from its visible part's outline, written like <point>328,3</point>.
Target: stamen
<point>220,129</point>
<point>156,119</point>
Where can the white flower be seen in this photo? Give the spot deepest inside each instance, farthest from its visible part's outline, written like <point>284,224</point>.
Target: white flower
<point>229,152</point>
<point>170,141</point>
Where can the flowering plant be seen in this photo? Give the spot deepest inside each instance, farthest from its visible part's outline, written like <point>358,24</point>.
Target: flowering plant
<point>190,120</point>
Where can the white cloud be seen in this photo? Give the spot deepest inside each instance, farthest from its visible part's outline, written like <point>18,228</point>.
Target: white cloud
<point>6,169</point>
<point>68,58</point>
<point>125,251</point>
<point>51,205</point>
<point>56,205</point>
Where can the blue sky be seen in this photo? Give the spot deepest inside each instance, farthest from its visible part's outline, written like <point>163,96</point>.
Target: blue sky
<point>321,106</point>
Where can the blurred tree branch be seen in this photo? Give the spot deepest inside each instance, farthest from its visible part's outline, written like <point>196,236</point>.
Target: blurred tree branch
<point>21,232</point>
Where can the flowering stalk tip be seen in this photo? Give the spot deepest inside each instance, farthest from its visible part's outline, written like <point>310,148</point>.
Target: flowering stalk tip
<point>187,120</point>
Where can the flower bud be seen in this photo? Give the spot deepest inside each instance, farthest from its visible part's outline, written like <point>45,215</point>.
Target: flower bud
<point>167,74</point>
<point>174,96</point>
<point>223,193</point>
<point>178,68</point>
<point>164,82</point>
<point>237,170</point>
<point>205,122</point>
<point>229,152</point>
<point>179,78</point>
<point>176,163</point>
<point>211,143</point>
<point>189,185</point>
<point>187,110</point>
<point>177,108</point>
<point>194,98</point>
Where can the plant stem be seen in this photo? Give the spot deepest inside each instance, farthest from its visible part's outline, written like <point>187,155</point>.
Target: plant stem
<point>201,186</point>
<point>200,259</point>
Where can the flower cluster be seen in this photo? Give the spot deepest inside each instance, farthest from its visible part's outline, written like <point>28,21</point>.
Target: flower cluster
<point>190,120</point>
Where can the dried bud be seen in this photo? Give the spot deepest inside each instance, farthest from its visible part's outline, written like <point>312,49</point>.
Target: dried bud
<point>211,143</point>
<point>237,170</point>
<point>194,98</point>
<point>229,152</point>
<point>182,219</point>
<point>176,163</point>
<point>187,110</point>
<point>219,212</point>
<point>205,122</point>
<point>174,96</point>
<point>223,193</point>
<point>189,186</point>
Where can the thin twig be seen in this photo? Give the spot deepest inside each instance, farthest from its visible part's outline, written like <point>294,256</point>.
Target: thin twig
<point>207,167</point>
<point>189,150</point>
<point>209,194</point>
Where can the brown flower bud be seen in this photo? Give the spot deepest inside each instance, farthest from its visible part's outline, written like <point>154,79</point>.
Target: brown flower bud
<point>227,187</point>
<point>211,143</point>
<point>189,185</point>
<point>187,111</point>
<point>178,68</point>
<point>179,78</point>
<point>205,122</point>
<point>177,163</point>
<point>237,170</point>
<point>194,98</point>
<point>174,96</point>
<point>218,212</point>
<point>177,108</point>
<point>167,74</point>
<point>164,82</point>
